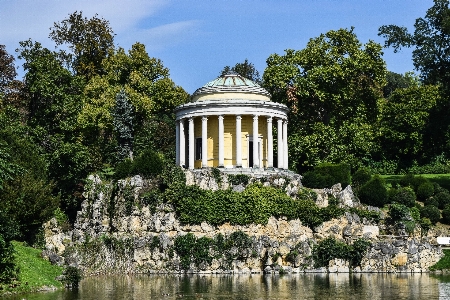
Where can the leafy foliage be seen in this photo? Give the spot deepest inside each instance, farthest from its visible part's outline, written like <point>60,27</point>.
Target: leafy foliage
<point>329,249</point>
<point>123,126</point>
<point>431,212</point>
<point>326,175</point>
<point>403,195</point>
<point>374,192</point>
<point>245,69</point>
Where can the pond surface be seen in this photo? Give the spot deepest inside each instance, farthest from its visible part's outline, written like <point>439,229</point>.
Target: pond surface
<point>304,286</point>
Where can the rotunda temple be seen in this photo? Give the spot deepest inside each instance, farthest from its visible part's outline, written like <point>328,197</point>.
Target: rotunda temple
<point>229,124</point>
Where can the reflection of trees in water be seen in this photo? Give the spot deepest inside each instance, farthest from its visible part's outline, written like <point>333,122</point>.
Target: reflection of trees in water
<point>294,286</point>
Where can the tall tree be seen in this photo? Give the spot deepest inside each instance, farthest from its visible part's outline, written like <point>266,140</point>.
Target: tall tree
<point>90,40</point>
<point>123,126</point>
<point>245,69</point>
<point>431,42</point>
<point>9,86</point>
<point>332,88</point>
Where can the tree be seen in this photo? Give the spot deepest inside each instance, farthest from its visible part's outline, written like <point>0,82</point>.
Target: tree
<point>9,86</point>
<point>89,39</point>
<point>245,69</point>
<point>431,39</point>
<point>123,125</point>
<point>332,88</point>
<point>404,123</point>
<point>398,81</point>
<point>149,89</point>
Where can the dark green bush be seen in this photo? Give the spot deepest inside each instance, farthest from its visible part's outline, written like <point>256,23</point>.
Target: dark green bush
<point>442,198</point>
<point>374,192</point>
<point>238,179</point>
<point>431,212</point>
<point>72,277</point>
<point>148,163</point>
<point>425,190</point>
<point>329,249</point>
<point>446,214</point>
<point>399,212</point>
<point>123,169</point>
<point>403,195</point>
<point>326,175</point>
<point>432,201</point>
<point>361,177</point>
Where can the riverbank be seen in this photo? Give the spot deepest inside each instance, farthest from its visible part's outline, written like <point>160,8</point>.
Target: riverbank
<point>35,273</point>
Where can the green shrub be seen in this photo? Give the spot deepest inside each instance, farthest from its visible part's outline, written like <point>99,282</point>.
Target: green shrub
<point>446,214</point>
<point>374,192</point>
<point>123,169</point>
<point>236,179</point>
<point>329,249</point>
<point>361,177</point>
<point>425,190</point>
<point>72,277</point>
<point>399,212</point>
<point>432,201</point>
<point>443,199</point>
<point>149,163</point>
<point>326,175</point>
<point>403,195</point>
<point>431,212</point>
<point>425,224</point>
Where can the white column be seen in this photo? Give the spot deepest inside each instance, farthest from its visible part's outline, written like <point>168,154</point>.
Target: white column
<point>182,144</point>
<point>238,142</point>
<point>269,143</point>
<point>204,142</point>
<point>191,143</point>
<point>255,142</point>
<point>280,143</point>
<point>221,142</point>
<point>285,145</point>
<point>177,143</point>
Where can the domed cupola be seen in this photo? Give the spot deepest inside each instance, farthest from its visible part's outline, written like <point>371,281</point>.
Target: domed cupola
<point>228,124</point>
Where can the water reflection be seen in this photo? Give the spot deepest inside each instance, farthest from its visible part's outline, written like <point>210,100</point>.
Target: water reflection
<point>304,286</point>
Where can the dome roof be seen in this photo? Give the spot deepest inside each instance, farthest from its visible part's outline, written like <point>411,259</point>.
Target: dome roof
<point>231,83</point>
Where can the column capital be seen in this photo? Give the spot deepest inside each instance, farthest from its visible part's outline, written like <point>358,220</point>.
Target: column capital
<point>220,117</point>
<point>269,119</point>
<point>255,117</point>
<point>205,118</point>
<point>191,119</point>
<point>238,117</point>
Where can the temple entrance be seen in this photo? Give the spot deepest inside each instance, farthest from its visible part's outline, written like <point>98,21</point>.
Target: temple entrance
<point>251,144</point>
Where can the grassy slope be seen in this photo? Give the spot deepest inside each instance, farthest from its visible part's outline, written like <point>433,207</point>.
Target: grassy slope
<point>34,270</point>
<point>443,263</point>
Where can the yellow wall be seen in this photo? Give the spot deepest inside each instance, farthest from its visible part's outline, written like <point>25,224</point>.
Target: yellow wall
<point>229,139</point>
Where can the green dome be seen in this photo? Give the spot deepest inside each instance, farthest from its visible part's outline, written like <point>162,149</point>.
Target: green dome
<point>231,83</point>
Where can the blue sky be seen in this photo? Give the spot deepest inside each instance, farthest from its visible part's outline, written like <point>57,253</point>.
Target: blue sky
<point>195,39</point>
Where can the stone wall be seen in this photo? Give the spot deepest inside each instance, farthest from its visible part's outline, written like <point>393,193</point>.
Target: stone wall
<point>107,239</point>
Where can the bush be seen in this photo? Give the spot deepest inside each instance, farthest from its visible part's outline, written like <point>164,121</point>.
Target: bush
<point>361,177</point>
<point>329,249</point>
<point>446,214</point>
<point>148,163</point>
<point>403,195</point>
<point>425,190</point>
<point>443,199</point>
<point>399,212</point>
<point>432,201</point>
<point>326,175</point>
<point>72,277</point>
<point>374,192</point>
<point>431,212</point>
<point>123,169</point>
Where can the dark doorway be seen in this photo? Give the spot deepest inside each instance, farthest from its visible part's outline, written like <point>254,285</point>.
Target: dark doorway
<point>250,154</point>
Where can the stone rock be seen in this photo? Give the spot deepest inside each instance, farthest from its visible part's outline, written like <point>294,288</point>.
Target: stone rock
<point>374,231</point>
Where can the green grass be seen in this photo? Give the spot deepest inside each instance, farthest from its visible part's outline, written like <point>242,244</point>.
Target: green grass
<point>34,271</point>
<point>442,179</point>
<point>443,263</point>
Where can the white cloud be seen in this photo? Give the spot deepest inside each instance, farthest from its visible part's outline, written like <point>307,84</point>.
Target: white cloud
<point>23,19</point>
<point>160,37</point>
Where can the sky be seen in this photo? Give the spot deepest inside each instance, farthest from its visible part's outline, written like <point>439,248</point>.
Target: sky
<point>196,39</point>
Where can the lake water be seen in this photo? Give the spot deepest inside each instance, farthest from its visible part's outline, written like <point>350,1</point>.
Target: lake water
<point>304,286</point>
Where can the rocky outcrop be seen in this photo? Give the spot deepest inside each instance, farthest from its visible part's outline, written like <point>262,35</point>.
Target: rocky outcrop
<point>115,232</point>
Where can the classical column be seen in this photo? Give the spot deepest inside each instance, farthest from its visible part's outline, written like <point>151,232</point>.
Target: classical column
<point>204,142</point>
<point>269,143</point>
<point>191,143</point>
<point>255,142</point>
<point>280,143</point>
<point>182,144</point>
<point>221,142</point>
<point>238,142</point>
<point>177,142</point>
<point>285,145</point>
